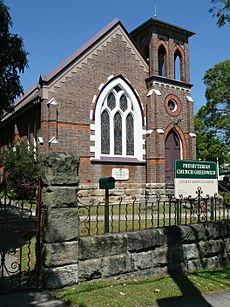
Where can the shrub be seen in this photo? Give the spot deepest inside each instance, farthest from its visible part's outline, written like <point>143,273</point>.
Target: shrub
<point>21,165</point>
<point>226,196</point>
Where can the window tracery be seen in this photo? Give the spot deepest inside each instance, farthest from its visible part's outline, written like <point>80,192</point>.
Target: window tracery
<point>118,123</point>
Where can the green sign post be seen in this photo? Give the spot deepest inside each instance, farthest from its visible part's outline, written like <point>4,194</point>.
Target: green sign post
<point>189,175</point>
<point>106,183</point>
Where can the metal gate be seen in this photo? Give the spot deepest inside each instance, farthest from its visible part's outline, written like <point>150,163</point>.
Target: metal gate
<point>20,216</point>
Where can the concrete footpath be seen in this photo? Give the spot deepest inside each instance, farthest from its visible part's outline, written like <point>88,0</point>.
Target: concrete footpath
<point>29,298</point>
<point>45,299</point>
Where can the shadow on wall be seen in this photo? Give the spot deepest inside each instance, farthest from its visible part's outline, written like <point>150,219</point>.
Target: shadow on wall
<point>177,273</point>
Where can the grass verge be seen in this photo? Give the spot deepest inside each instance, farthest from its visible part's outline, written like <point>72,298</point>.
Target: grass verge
<point>28,254</point>
<point>144,291</point>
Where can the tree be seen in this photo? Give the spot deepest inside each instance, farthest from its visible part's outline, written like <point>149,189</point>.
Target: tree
<point>212,122</point>
<point>221,10</point>
<point>21,165</point>
<point>209,146</point>
<point>13,61</point>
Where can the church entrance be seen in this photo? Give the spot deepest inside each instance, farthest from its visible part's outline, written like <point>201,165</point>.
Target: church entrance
<point>172,153</point>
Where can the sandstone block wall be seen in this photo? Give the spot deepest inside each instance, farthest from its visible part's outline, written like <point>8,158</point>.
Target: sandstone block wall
<point>155,251</point>
<point>68,259</point>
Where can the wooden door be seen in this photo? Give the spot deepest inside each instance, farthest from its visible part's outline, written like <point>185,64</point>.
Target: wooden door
<point>172,153</point>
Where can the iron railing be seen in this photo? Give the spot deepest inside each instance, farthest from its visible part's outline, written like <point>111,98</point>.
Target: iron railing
<point>100,216</point>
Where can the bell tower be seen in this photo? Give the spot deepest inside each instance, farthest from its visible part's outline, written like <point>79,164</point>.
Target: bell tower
<point>169,105</point>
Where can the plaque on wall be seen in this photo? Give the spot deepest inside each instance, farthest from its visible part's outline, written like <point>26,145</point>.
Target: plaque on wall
<point>120,173</point>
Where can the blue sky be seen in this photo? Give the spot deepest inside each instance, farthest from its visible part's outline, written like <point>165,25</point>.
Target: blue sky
<point>53,29</point>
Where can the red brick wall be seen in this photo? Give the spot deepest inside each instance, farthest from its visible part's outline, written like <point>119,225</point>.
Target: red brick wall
<point>69,121</point>
<point>74,97</point>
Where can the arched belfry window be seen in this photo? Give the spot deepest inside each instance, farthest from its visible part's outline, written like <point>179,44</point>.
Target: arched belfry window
<point>118,122</point>
<point>162,61</point>
<point>146,50</point>
<point>177,65</point>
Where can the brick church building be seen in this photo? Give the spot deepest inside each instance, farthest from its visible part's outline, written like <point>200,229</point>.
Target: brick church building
<point>121,103</point>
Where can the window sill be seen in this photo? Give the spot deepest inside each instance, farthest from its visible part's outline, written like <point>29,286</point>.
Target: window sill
<point>118,160</point>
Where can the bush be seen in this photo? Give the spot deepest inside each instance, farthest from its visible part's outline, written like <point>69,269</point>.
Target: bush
<point>21,165</point>
<point>226,196</point>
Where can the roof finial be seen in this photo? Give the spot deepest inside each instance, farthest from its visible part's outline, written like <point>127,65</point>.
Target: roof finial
<point>155,9</point>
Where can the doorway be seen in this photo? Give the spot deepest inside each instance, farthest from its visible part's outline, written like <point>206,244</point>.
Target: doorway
<point>172,153</point>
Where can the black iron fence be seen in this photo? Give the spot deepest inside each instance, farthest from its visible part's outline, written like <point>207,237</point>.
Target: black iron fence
<point>100,216</point>
<point>20,235</point>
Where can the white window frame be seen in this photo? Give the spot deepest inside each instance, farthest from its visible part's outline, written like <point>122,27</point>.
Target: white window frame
<point>134,110</point>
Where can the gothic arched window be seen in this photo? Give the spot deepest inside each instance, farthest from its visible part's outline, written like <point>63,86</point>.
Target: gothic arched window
<point>177,65</point>
<point>118,122</point>
<point>162,61</point>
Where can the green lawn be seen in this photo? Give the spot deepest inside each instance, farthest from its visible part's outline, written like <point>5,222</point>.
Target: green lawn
<point>28,254</point>
<point>144,291</point>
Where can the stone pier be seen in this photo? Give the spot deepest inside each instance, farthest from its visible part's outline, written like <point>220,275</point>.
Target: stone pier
<point>60,221</point>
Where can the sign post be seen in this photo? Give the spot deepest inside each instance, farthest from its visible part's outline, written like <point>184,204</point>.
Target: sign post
<point>106,183</point>
<point>191,175</point>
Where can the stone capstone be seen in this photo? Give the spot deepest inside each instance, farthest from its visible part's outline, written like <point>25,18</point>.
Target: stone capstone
<point>102,246</point>
<point>60,169</point>
<point>213,231</point>
<point>186,233</point>
<point>224,228</point>
<point>146,239</point>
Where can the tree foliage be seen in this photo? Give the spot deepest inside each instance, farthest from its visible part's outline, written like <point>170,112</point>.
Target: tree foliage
<point>212,122</point>
<point>21,165</point>
<point>13,61</point>
<point>221,10</point>
<point>208,145</point>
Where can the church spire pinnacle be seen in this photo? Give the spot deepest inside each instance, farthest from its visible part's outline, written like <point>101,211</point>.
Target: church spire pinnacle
<point>155,9</point>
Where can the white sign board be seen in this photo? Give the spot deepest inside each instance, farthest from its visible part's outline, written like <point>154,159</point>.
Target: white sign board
<point>188,187</point>
<point>120,173</point>
<point>191,175</point>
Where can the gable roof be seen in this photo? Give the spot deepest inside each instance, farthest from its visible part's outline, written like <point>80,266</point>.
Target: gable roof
<point>30,94</point>
<point>77,53</point>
